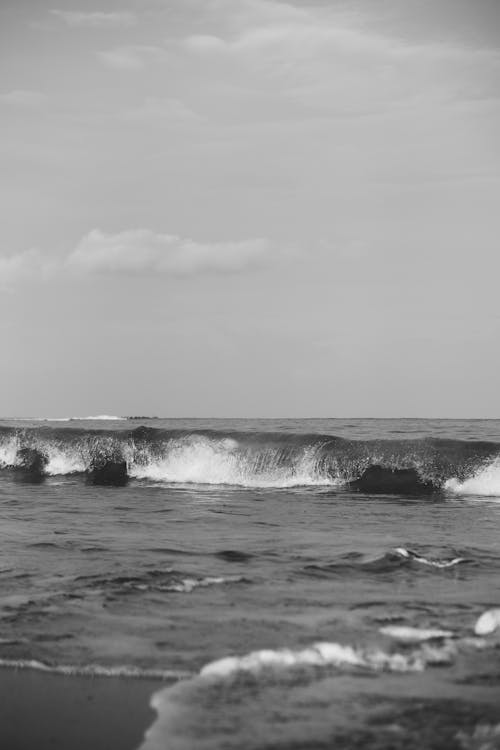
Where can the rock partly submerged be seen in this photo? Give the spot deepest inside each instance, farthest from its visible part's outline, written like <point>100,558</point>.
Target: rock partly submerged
<point>30,466</point>
<point>110,473</point>
<point>382,480</point>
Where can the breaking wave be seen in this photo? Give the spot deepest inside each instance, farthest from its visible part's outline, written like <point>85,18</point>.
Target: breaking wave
<point>485,482</point>
<point>249,459</point>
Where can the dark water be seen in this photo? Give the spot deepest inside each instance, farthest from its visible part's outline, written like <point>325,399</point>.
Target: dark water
<point>217,555</point>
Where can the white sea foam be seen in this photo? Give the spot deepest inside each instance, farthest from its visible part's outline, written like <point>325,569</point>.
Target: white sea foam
<point>95,670</point>
<point>484,483</point>
<point>186,585</point>
<point>488,622</point>
<point>8,452</point>
<point>60,460</point>
<point>407,634</point>
<point>63,461</point>
<point>203,460</point>
<point>403,552</point>
<point>317,655</point>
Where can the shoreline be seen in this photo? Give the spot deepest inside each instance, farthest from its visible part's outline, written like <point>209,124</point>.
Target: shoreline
<point>45,711</point>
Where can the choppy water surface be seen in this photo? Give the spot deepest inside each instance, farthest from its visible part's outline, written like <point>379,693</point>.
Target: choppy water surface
<point>304,584</point>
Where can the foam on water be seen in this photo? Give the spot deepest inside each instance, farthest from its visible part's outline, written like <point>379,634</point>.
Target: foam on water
<point>9,452</point>
<point>488,622</point>
<point>62,462</point>
<point>407,634</point>
<point>186,585</point>
<point>204,460</point>
<point>410,555</point>
<point>484,483</point>
<point>95,670</point>
<point>317,655</point>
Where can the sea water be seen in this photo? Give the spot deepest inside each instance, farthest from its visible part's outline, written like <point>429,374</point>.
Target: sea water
<point>290,583</point>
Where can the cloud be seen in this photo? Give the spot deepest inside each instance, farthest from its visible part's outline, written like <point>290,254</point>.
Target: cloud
<point>303,61</point>
<point>143,251</point>
<point>269,60</point>
<point>96,19</point>
<point>327,61</point>
<point>163,109</point>
<point>131,57</point>
<point>138,252</point>
<point>22,98</point>
<point>28,265</point>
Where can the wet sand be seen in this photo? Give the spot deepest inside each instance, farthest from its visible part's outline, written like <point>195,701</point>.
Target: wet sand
<point>46,711</point>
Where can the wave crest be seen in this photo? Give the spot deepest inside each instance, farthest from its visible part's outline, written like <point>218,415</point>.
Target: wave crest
<point>401,467</point>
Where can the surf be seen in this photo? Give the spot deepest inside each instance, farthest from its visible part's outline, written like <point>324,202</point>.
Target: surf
<point>110,456</point>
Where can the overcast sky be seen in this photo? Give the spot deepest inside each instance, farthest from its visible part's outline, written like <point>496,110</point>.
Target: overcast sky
<point>250,207</point>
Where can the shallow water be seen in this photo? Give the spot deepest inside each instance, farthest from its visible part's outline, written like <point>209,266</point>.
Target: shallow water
<point>167,577</point>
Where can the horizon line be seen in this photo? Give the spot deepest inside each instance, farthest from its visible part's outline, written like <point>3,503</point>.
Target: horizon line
<point>110,418</point>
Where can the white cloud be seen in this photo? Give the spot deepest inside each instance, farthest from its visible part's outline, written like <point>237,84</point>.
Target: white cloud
<point>327,61</point>
<point>27,265</point>
<point>163,109</point>
<point>144,251</point>
<point>96,19</point>
<point>22,98</point>
<point>135,252</point>
<point>131,57</point>
<point>316,58</point>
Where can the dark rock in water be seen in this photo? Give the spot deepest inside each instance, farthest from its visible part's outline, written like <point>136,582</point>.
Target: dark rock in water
<point>31,465</point>
<point>233,555</point>
<point>113,473</point>
<point>385,481</point>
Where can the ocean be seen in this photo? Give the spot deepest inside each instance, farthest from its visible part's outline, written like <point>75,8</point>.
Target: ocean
<point>312,583</point>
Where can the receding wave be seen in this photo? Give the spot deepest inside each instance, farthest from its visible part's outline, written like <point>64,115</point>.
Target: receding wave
<point>280,666</point>
<point>249,459</point>
<point>95,670</point>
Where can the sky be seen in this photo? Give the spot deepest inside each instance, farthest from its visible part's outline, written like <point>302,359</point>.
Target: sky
<point>253,208</point>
